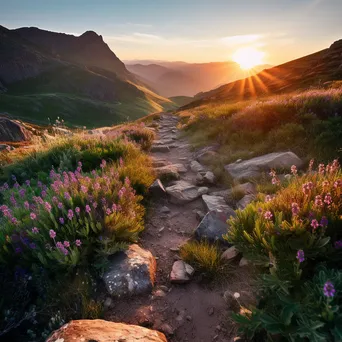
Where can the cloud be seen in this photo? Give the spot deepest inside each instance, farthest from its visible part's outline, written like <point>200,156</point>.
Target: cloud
<point>241,39</point>
<point>147,36</point>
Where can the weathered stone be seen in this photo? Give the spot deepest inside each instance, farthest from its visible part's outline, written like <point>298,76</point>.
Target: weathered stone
<point>181,272</point>
<point>104,331</point>
<point>131,272</point>
<point>5,147</point>
<point>245,200</point>
<point>164,141</point>
<point>167,172</point>
<point>157,189</point>
<point>217,203</point>
<point>207,157</point>
<point>199,214</point>
<point>230,253</point>
<point>183,192</point>
<point>254,167</point>
<point>243,262</point>
<point>199,179</point>
<point>11,130</point>
<point>196,166</point>
<point>205,152</point>
<point>160,148</point>
<point>159,163</point>
<point>165,210</point>
<point>108,302</point>
<point>212,227</point>
<point>166,329</point>
<point>209,177</point>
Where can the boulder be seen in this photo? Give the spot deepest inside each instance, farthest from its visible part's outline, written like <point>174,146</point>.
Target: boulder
<point>11,130</point>
<point>157,189</point>
<point>206,154</point>
<point>196,166</point>
<point>217,203</point>
<point>243,262</point>
<point>159,163</point>
<point>104,331</point>
<point>254,167</point>
<point>183,192</point>
<point>245,200</point>
<point>131,272</point>
<point>167,172</point>
<point>213,227</point>
<point>160,148</point>
<point>181,272</point>
<point>209,177</point>
<point>230,253</point>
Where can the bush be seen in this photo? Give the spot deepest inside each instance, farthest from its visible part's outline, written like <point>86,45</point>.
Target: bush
<point>296,237</point>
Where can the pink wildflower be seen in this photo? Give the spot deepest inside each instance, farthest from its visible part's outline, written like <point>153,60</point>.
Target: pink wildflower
<point>77,210</point>
<point>35,230</point>
<point>103,164</point>
<point>78,243</point>
<point>87,209</point>
<point>268,215</point>
<point>66,244</point>
<point>318,201</point>
<point>47,206</point>
<point>321,169</point>
<point>33,216</point>
<point>328,199</point>
<point>52,234</point>
<point>314,224</point>
<point>294,170</point>
<point>70,214</point>
<point>295,209</point>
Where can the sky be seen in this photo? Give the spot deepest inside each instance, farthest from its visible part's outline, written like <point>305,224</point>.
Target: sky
<point>189,30</point>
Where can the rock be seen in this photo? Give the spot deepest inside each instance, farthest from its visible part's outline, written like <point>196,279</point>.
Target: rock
<point>243,262</point>
<point>157,189</point>
<point>164,141</point>
<point>183,192</point>
<point>216,203</point>
<point>12,130</point>
<point>245,200</point>
<point>167,172</point>
<point>165,210</point>
<point>159,293</point>
<point>174,249</point>
<point>203,190</point>
<point>196,166</point>
<point>104,331</point>
<point>209,177</point>
<point>164,288</point>
<point>207,153</point>
<point>211,311</point>
<point>5,147</point>
<point>199,214</point>
<point>181,272</point>
<point>212,227</point>
<point>206,157</point>
<point>288,177</point>
<point>254,167</point>
<point>108,302</point>
<point>160,148</point>
<point>167,329</point>
<point>159,163</point>
<point>230,253</point>
<point>131,272</point>
<point>199,179</point>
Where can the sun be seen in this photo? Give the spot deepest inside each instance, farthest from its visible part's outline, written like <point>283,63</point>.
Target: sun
<point>248,57</point>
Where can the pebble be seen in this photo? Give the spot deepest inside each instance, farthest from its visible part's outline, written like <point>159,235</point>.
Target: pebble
<point>211,311</point>
<point>167,329</point>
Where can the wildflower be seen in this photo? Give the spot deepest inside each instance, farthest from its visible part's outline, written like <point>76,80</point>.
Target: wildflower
<point>324,221</point>
<point>65,251</point>
<point>47,206</point>
<point>108,211</point>
<point>114,207</point>
<point>300,256</point>
<point>311,164</point>
<point>61,220</point>
<point>33,216</point>
<point>127,181</point>
<point>67,196</point>
<point>32,245</point>
<point>14,178</point>
<point>54,199</point>
<point>79,164</point>
<point>103,164</point>
<point>14,220</point>
<point>66,244</point>
<point>52,234</point>
<point>328,199</point>
<point>338,184</point>
<point>318,201</point>
<point>87,209</point>
<point>321,169</point>
<point>268,215</point>
<point>295,209</point>
<point>70,214</point>
<point>294,170</point>
<point>97,186</point>
<point>27,182</point>
<point>121,162</point>
<point>84,189</point>
<point>325,184</point>
<point>338,244</point>
<point>22,192</point>
<point>275,181</point>
<point>59,244</point>
<point>39,184</point>
<point>329,289</point>
<point>78,243</point>
<point>60,205</point>
<point>26,205</point>
<point>314,224</point>
<point>77,210</point>
<point>35,230</point>
<point>94,204</point>
<point>18,250</point>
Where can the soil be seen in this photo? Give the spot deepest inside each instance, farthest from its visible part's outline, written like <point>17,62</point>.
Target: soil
<point>195,311</point>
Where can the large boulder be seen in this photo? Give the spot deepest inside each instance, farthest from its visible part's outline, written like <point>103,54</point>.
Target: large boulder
<point>11,130</point>
<point>131,272</point>
<point>217,203</point>
<point>157,189</point>
<point>104,331</point>
<point>206,154</point>
<point>196,166</point>
<point>213,227</point>
<point>245,200</point>
<point>254,167</point>
<point>183,192</point>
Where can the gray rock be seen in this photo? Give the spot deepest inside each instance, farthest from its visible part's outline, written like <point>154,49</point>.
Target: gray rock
<point>209,177</point>
<point>165,210</point>
<point>199,214</point>
<point>230,253</point>
<point>4,147</point>
<point>11,130</point>
<point>245,200</point>
<point>254,167</point>
<point>183,192</point>
<point>196,166</point>
<point>131,272</point>
<point>167,172</point>
<point>208,151</point>
<point>216,203</point>
<point>108,302</point>
<point>181,272</point>
<point>164,141</point>
<point>160,148</point>
<point>212,227</point>
<point>159,163</point>
<point>199,179</point>
<point>243,262</point>
<point>157,189</point>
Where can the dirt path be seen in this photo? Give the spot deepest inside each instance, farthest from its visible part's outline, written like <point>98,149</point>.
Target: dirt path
<point>189,312</point>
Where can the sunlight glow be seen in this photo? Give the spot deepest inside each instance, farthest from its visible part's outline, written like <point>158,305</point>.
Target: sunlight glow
<point>248,57</point>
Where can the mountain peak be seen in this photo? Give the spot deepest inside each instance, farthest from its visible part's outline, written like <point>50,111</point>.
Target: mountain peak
<point>91,35</point>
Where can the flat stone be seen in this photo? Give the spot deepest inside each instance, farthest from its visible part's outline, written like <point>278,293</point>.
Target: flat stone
<point>245,200</point>
<point>230,253</point>
<point>217,203</point>
<point>213,227</point>
<point>183,192</point>
<point>165,210</point>
<point>159,163</point>
<point>157,189</point>
<point>243,262</point>
<point>196,166</point>
<point>209,177</point>
<point>160,148</point>
<point>131,272</point>
<point>163,141</point>
<point>167,172</point>
<point>181,272</point>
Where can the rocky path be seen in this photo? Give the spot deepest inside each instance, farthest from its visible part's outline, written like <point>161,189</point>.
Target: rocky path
<point>195,311</point>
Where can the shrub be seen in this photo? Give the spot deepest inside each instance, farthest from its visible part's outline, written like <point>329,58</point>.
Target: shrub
<point>296,236</point>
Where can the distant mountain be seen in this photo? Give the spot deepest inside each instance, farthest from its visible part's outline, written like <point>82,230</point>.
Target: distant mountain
<point>317,69</point>
<point>187,79</point>
<point>47,74</point>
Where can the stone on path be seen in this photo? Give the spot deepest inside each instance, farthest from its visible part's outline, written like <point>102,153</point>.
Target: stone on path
<point>104,331</point>
<point>183,192</point>
<point>254,167</point>
<point>209,177</point>
<point>206,154</point>
<point>131,272</point>
<point>168,172</point>
<point>230,253</point>
<point>160,148</point>
<point>165,210</point>
<point>217,203</point>
<point>196,166</point>
<point>157,189</point>
<point>181,272</point>
<point>159,163</point>
<point>212,227</point>
<point>243,262</point>
<point>245,200</point>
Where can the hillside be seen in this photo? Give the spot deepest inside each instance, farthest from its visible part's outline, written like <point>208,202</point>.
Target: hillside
<point>46,74</point>
<point>187,79</point>
<point>309,71</point>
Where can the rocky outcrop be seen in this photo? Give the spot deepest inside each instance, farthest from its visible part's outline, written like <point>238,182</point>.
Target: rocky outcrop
<point>131,272</point>
<point>254,167</point>
<point>183,192</point>
<point>13,131</point>
<point>104,331</point>
<point>216,203</point>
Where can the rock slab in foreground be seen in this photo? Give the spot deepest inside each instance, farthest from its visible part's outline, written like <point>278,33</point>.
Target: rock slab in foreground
<point>104,331</point>
<point>213,227</point>
<point>131,272</point>
<point>217,203</point>
<point>183,192</point>
<point>253,168</point>
<point>157,189</point>
<point>13,131</point>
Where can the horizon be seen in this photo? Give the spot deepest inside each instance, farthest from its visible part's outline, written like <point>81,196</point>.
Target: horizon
<point>210,32</point>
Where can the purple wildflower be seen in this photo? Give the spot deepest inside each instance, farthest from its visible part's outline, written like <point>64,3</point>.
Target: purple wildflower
<point>324,221</point>
<point>22,192</point>
<point>84,189</point>
<point>300,256</point>
<point>338,244</point>
<point>33,216</point>
<point>18,250</point>
<point>295,209</point>
<point>61,220</point>
<point>66,244</point>
<point>67,196</point>
<point>87,209</point>
<point>77,210</point>
<point>26,205</point>
<point>60,205</point>
<point>52,234</point>
<point>108,211</point>
<point>70,214</point>
<point>47,206</point>
<point>35,230</point>
<point>314,224</point>
<point>32,245</point>
<point>78,243</point>
<point>329,289</point>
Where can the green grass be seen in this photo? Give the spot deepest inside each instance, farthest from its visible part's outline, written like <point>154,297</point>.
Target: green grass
<point>181,100</point>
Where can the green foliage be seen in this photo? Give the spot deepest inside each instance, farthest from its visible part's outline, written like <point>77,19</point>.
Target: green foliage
<point>296,237</point>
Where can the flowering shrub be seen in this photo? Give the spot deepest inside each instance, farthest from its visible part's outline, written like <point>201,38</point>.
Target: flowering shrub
<point>297,236</point>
